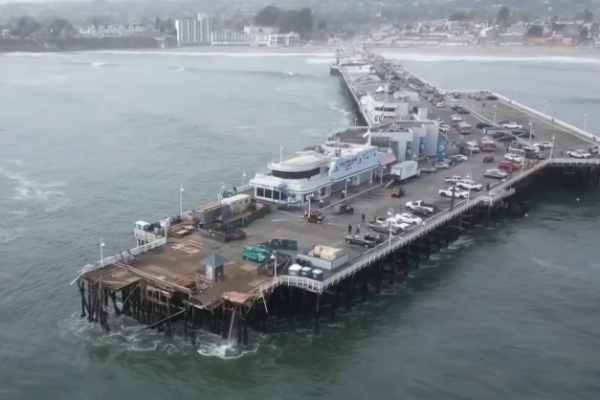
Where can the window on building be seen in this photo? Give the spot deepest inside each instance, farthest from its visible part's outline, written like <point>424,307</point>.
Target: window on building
<point>260,192</point>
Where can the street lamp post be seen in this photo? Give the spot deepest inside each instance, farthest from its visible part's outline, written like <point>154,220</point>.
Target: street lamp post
<point>390,214</point>
<point>584,122</point>
<point>530,131</point>
<point>310,197</point>
<point>346,187</point>
<point>102,244</point>
<point>545,106</point>
<point>243,178</point>
<point>274,258</point>
<point>181,200</point>
<point>495,109</point>
<point>552,147</point>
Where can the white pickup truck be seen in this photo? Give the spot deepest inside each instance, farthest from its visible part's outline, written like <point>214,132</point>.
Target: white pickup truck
<point>420,204</point>
<point>456,179</point>
<point>469,186</point>
<point>456,193</point>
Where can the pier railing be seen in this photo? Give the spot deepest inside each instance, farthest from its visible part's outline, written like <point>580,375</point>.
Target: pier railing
<point>500,191</point>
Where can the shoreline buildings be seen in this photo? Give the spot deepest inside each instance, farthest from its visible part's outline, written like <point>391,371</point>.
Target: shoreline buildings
<point>194,31</point>
<point>259,36</point>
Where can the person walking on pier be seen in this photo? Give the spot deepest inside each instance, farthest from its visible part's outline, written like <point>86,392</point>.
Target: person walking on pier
<point>363,217</point>
<point>358,229</point>
<point>349,229</point>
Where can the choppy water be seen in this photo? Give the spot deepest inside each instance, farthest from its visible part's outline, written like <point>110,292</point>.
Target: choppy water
<point>91,143</point>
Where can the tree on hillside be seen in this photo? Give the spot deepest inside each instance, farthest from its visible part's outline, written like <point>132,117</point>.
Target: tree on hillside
<point>535,31</point>
<point>322,25</point>
<point>300,21</point>
<point>583,35</point>
<point>60,27</point>
<point>588,16</point>
<point>502,16</point>
<point>457,16</point>
<point>25,27</point>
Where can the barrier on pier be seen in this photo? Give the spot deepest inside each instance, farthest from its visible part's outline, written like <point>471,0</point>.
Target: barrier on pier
<point>122,256</point>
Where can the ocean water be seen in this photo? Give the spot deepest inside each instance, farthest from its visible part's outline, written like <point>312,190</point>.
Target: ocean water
<point>90,143</point>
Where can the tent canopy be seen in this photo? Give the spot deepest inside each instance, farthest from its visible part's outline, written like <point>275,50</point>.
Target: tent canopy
<point>213,260</point>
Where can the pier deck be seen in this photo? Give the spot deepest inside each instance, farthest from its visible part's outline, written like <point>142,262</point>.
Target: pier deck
<point>174,266</point>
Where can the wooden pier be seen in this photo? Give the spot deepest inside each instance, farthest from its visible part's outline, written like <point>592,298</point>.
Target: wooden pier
<point>163,282</point>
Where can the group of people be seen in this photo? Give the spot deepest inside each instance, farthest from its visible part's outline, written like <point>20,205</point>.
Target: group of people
<point>363,216</point>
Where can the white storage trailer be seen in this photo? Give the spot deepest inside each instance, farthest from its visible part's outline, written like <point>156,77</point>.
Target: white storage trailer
<point>405,170</point>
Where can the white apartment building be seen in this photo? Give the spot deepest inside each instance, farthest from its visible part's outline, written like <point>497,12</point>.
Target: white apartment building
<point>194,31</point>
<point>254,36</point>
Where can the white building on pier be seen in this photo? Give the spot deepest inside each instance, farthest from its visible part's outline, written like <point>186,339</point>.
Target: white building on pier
<point>318,173</point>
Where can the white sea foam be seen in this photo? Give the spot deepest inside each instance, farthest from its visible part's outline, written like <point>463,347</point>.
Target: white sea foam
<point>482,58</point>
<point>8,235</point>
<point>215,53</point>
<point>178,70</point>
<point>30,190</point>
<point>98,64</point>
<point>321,60</point>
<point>57,77</point>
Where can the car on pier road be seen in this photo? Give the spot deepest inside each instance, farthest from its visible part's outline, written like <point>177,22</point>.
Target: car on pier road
<point>483,125</point>
<point>453,192</point>
<point>360,241</point>
<point>510,166</point>
<point>495,173</point>
<point>543,145</point>
<point>463,110</point>
<point>408,218</point>
<point>376,237</point>
<point>513,158</point>
<point>512,125</point>
<point>444,129</point>
<point>459,158</point>
<point>578,154</point>
<point>412,205</point>
<point>440,104</point>
<point>469,186</point>
<point>456,178</point>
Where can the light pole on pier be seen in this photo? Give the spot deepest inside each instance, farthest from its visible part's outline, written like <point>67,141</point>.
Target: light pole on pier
<point>274,258</point>
<point>346,188</point>
<point>102,244</point>
<point>552,147</point>
<point>545,106</point>
<point>584,122</point>
<point>495,109</point>
<point>390,215</point>
<point>310,197</point>
<point>530,131</point>
<point>243,178</point>
<point>181,200</point>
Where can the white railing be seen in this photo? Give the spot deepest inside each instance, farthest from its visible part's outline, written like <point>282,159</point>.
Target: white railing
<point>575,161</point>
<point>147,237</point>
<point>375,254</point>
<point>121,256</point>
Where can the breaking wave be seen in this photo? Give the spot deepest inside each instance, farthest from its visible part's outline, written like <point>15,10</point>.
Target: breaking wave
<point>26,189</point>
<point>240,53</point>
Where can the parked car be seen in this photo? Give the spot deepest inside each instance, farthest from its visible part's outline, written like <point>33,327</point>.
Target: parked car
<point>421,211</point>
<point>491,98</point>
<point>534,156</point>
<point>578,154</point>
<point>512,125</point>
<point>441,165</point>
<point>360,241</point>
<point>411,205</point>
<point>543,145</point>
<point>495,173</point>
<point>459,158</point>
<point>513,158</point>
<point>453,192</point>
<point>509,166</point>
<point>439,104</point>
<point>376,237</point>
<point>469,186</point>
<point>523,134</point>
<point>409,219</point>
<point>506,139</point>
<point>483,125</point>
<point>463,111</point>
<point>444,129</point>
<point>456,178</point>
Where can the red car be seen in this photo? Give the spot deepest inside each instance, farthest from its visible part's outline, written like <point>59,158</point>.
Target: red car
<point>509,166</point>
<point>499,135</point>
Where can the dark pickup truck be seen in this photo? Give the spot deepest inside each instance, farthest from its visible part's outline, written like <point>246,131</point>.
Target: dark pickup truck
<point>360,241</point>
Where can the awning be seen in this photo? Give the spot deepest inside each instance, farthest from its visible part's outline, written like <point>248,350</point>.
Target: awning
<point>388,159</point>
